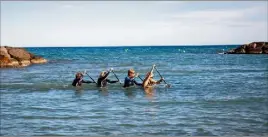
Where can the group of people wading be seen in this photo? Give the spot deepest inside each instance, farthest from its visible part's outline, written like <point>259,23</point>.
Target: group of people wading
<point>129,80</point>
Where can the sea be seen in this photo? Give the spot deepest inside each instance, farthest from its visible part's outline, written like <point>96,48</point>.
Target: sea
<point>211,94</point>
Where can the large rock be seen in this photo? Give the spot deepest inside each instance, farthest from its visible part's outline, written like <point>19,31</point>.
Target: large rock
<point>3,51</point>
<point>38,60</point>
<point>19,54</point>
<point>4,59</point>
<point>8,62</point>
<point>265,49</point>
<point>24,63</point>
<point>241,49</point>
<point>18,57</point>
<point>252,48</point>
<point>13,63</point>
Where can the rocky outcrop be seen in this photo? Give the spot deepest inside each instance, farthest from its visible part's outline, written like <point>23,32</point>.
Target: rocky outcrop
<point>251,48</point>
<point>19,54</point>
<point>37,60</point>
<point>18,57</point>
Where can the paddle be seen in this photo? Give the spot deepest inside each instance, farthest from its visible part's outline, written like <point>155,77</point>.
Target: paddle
<point>167,85</point>
<point>90,77</point>
<point>116,77</point>
<point>137,75</point>
<point>140,78</point>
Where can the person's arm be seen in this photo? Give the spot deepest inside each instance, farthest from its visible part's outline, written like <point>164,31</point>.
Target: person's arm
<point>146,80</point>
<point>79,82</point>
<point>83,81</point>
<point>160,80</point>
<point>106,75</point>
<point>111,81</point>
<point>139,84</point>
<point>156,82</point>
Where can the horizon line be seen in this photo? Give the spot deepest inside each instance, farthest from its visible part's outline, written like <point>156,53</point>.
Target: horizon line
<point>106,46</point>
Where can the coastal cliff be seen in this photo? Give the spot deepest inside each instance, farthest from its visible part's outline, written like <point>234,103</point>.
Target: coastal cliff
<point>12,57</point>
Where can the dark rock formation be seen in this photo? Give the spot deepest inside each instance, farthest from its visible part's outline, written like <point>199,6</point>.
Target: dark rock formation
<point>252,48</point>
<point>18,57</point>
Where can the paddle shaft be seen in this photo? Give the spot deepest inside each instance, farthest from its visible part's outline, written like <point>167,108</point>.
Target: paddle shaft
<point>160,75</point>
<point>140,78</point>
<point>116,77</point>
<point>92,79</point>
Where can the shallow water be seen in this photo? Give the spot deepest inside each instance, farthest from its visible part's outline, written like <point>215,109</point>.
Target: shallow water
<point>211,94</point>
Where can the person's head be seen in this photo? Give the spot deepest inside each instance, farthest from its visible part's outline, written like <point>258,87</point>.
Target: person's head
<point>102,74</point>
<point>131,73</point>
<point>78,75</point>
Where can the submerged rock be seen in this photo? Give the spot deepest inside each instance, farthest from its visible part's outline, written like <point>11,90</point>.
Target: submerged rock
<point>252,48</point>
<point>18,57</point>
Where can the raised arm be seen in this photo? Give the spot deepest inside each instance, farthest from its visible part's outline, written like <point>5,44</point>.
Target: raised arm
<point>105,76</point>
<point>147,78</point>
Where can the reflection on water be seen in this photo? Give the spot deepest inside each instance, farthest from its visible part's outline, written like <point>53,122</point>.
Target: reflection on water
<point>130,93</point>
<point>103,91</point>
<point>78,92</point>
<point>149,92</point>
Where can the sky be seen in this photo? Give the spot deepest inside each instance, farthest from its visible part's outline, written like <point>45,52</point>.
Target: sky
<point>132,23</point>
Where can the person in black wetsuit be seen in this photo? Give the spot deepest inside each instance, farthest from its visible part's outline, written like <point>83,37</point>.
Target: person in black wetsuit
<point>130,79</point>
<point>79,80</point>
<point>103,79</point>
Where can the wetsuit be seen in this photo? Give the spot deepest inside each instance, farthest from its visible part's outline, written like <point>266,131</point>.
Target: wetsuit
<point>102,82</point>
<point>130,82</point>
<point>78,82</point>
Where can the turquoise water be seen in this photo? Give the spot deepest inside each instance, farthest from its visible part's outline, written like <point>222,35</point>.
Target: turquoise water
<point>211,94</point>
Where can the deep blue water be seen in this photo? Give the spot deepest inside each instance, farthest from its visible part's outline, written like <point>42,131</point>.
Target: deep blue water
<point>211,94</point>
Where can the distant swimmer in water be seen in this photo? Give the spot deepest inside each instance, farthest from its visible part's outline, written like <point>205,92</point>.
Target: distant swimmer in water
<point>130,79</point>
<point>149,81</point>
<point>103,79</point>
<point>79,80</point>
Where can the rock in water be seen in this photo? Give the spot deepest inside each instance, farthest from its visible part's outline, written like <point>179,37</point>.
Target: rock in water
<point>19,54</point>
<point>3,51</point>
<point>25,63</point>
<point>38,60</point>
<point>18,57</point>
<point>265,49</point>
<point>252,48</point>
<point>240,50</point>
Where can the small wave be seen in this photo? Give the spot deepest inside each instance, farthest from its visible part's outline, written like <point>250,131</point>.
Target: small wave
<point>202,132</point>
<point>37,86</point>
<point>127,125</point>
<point>52,118</point>
<point>237,100</point>
<point>61,86</point>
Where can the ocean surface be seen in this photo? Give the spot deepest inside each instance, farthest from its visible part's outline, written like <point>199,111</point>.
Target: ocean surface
<point>211,93</point>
